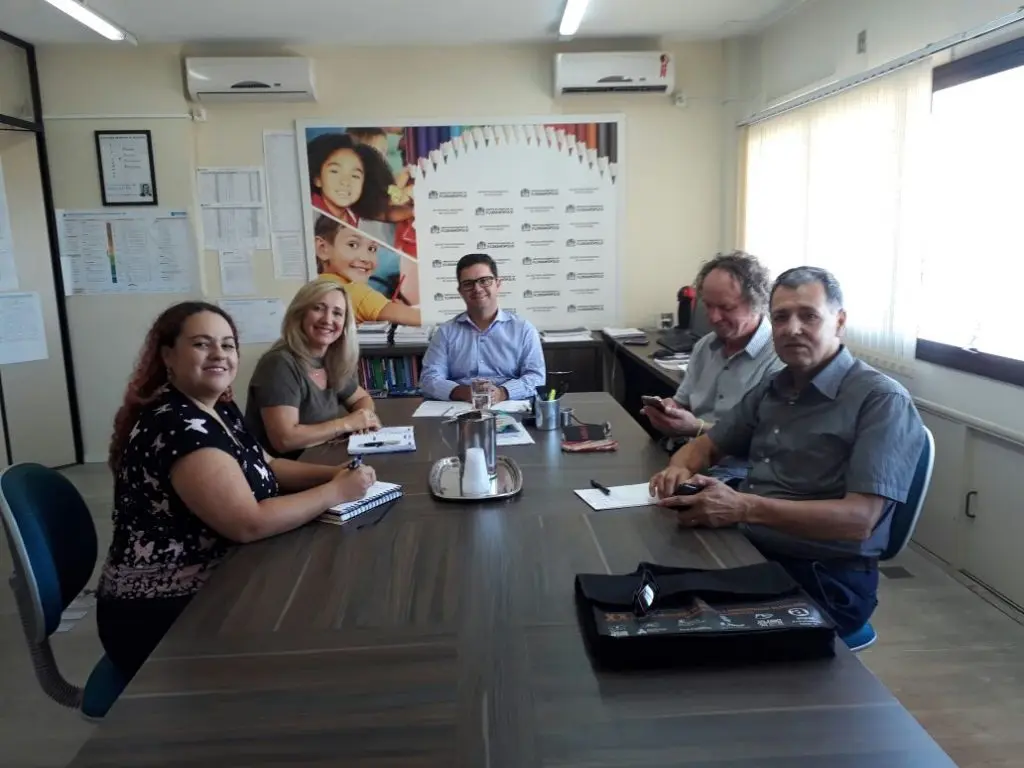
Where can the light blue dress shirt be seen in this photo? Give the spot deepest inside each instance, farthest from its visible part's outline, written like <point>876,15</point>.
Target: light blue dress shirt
<point>508,354</point>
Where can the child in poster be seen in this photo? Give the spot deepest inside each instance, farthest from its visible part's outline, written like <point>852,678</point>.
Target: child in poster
<point>352,182</point>
<point>347,256</point>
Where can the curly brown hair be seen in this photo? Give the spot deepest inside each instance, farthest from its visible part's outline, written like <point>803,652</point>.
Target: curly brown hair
<point>746,270</point>
<point>150,374</point>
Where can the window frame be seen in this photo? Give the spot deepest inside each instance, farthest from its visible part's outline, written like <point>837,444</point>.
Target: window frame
<point>991,61</point>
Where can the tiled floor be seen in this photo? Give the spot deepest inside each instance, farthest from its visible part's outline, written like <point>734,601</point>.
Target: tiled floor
<point>954,660</point>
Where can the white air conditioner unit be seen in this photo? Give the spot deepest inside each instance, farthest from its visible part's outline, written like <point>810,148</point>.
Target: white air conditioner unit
<point>641,72</point>
<point>263,78</point>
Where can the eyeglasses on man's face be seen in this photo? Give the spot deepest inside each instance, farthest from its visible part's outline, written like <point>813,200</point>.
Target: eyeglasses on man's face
<point>481,282</point>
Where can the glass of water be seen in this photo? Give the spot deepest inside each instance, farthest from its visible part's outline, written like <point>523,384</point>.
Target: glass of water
<point>480,390</point>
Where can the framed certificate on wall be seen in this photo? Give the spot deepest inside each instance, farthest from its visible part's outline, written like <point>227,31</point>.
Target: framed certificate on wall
<point>127,173</point>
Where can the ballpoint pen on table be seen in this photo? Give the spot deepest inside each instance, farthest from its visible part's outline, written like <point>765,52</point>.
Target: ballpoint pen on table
<point>381,443</point>
<point>603,489</point>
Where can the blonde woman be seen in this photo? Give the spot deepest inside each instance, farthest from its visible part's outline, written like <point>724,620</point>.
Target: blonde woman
<point>305,389</point>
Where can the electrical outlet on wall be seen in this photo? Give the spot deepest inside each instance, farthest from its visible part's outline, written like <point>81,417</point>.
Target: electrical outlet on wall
<point>862,41</point>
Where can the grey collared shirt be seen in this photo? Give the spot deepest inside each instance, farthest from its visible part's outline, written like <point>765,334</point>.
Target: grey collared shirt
<point>714,384</point>
<point>851,430</point>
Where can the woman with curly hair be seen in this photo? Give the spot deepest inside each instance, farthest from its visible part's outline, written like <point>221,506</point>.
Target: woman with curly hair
<point>190,481</point>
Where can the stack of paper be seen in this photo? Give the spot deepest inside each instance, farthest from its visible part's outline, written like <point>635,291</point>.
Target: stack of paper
<point>410,334</point>
<point>673,363</point>
<point>566,334</point>
<point>625,333</point>
<point>514,434</point>
<point>372,334</point>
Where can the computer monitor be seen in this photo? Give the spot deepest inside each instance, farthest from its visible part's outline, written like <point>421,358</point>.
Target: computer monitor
<point>700,326</point>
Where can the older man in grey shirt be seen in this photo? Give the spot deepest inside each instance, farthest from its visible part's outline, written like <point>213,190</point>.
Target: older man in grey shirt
<point>726,363</point>
<point>833,445</point>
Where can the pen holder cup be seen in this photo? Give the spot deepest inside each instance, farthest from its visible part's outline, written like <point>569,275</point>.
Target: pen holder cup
<point>547,413</point>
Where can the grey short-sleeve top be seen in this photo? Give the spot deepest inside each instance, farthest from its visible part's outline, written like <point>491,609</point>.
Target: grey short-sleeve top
<point>280,379</point>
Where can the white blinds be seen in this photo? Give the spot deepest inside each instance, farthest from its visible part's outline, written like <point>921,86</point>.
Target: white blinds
<point>840,184</point>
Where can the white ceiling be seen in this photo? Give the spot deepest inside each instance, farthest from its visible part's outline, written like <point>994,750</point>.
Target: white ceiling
<point>383,22</point>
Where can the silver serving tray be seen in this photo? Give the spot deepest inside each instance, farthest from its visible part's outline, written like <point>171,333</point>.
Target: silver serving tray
<point>444,480</point>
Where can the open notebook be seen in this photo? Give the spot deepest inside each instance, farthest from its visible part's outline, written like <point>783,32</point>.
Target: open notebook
<point>377,495</point>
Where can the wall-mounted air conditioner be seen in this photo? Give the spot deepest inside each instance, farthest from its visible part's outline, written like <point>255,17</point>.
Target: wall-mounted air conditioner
<point>639,72</point>
<point>263,78</point>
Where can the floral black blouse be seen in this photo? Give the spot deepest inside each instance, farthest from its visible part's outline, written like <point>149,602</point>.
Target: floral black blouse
<point>160,548</point>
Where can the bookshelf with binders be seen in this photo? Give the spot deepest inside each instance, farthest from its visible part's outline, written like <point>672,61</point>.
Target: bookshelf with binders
<point>393,369</point>
<point>384,374</point>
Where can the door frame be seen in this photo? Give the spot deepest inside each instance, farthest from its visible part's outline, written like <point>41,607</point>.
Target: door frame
<point>8,122</point>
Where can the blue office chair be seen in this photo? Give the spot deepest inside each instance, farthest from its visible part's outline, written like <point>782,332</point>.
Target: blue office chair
<point>53,545</point>
<point>904,520</point>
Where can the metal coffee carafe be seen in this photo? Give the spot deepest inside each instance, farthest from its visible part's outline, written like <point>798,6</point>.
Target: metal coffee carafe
<point>477,429</point>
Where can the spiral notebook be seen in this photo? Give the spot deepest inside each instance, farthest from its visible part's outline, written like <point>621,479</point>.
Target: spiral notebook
<point>378,495</point>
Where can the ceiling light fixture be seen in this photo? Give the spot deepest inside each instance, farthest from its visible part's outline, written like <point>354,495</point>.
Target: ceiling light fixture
<point>571,17</point>
<point>87,16</point>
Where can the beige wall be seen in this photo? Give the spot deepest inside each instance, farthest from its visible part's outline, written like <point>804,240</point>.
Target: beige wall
<point>673,162</point>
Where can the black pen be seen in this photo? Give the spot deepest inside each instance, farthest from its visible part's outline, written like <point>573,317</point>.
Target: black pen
<point>600,487</point>
<point>357,461</point>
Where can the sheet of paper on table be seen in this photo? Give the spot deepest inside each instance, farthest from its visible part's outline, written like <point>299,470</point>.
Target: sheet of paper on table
<point>445,408</point>
<point>621,497</point>
<point>518,436</point>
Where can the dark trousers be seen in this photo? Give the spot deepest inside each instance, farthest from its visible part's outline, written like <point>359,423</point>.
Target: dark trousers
<point>847,590</point>
<point>131,629</point>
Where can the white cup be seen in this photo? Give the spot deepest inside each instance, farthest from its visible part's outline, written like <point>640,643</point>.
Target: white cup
<point>475,480</point>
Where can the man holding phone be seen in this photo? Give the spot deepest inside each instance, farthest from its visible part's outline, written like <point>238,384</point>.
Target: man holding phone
<point>726,363</point>
<point>834,445</point>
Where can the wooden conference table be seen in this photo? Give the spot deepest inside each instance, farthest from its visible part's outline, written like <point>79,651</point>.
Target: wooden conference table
<point>446,636</point>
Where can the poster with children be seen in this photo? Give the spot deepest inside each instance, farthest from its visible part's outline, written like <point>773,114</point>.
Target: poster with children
<point>391,209</point>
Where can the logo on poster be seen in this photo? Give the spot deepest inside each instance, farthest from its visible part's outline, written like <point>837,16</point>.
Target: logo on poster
<point>537,261</point>
<point>570,276</point>
<point>585,276</point>
<point>437,230</point>
<point>435,194</point>
<point>537,192</point>
<point>481,211</point>
<point>528,294</point>
<point>540,227</point>
<point>571,308</point>
<point>436,263</point>
<point>572,243</point>
<point>584,208</point>
<point>483,245</point>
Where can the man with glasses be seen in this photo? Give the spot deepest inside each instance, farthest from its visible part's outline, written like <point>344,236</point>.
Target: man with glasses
<point>484,342</point>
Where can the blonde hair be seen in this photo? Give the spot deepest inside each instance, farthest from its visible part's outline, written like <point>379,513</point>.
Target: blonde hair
<point>342,356</point>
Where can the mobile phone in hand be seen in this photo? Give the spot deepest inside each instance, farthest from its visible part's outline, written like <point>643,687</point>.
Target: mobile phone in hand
<point>687,489</point>
<point>652,402</point>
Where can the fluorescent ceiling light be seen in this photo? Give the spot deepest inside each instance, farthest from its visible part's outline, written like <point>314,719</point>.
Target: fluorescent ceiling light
<point>571,17</point>
<point>92,20</point>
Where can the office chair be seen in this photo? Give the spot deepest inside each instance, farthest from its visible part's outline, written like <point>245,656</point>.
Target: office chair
<point>901,529</point>
<point>53,545</point>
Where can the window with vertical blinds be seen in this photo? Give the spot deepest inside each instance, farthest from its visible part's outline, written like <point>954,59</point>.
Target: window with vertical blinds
<point>842,184</point>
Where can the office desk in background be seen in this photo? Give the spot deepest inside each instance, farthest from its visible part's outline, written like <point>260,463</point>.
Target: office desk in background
<point>631,372</point>
<point>446,636</point>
